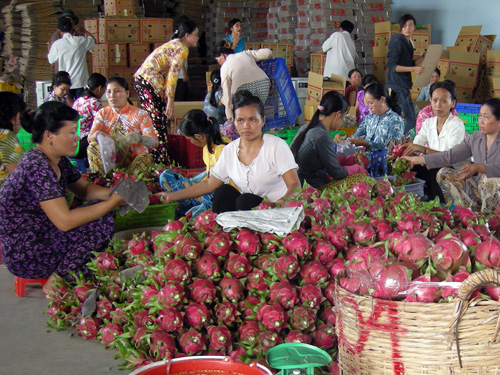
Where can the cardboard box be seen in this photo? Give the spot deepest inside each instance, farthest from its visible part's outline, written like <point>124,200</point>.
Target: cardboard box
<point>116,30</point>
<point>496,86</point>
<point>283,50</point>
<point>485,90</point>
<point>444,63</point>
<point>464,95</point>
<point>156,30</point>
<point>309,112</point>
<point>383,32</point>
<point>318,61</point>
<point>137,53</point>
<point>470,37</point>
<point>464,68</point>
<point>380,63</point>
<point>493,63</point>
<point>109,54</point>
<point>317,86</point>
<point>252,45</point>
<point>180,109</point>
<point>92,26</point>
<point>122,8</point>
<point>124,72</point>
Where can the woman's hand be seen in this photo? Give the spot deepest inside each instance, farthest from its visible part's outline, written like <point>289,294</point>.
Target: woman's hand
<point>93,137</point>
<point>469,170</point>
<point>412,148</point>
<point>418,69</point>
<point>358,141</point>
<point>169,111</point>
<point>116,200</point>
<point>165,197</point>
<point>415,160</point>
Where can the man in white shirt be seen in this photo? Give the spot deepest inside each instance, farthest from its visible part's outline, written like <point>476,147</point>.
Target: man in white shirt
<point>69,52</point>
<point>340,51</point>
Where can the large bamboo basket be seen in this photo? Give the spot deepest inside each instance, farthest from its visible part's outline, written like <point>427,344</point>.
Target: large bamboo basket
<point>391,337</point>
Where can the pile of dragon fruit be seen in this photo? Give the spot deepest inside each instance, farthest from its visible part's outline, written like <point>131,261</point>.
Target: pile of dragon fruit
<point>198,290</point>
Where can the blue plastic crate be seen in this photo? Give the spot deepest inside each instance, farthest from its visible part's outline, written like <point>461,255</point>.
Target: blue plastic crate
<point>468,108</point>
<point>282,106</point>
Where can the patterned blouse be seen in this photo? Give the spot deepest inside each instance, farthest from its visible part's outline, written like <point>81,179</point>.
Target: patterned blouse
<point>132,118</point>
<point>162,67</point>
<point>87,107</point>
<point>54,98</point>
<point>378,130</point>
<point>11,152</point>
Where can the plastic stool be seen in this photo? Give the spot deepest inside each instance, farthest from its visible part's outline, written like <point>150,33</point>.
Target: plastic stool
<point>21,284</point>
<point>290,358</point>
<point>81,164</point>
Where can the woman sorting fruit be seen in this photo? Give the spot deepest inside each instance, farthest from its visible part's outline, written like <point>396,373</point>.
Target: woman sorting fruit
<point>130,127</point>
<point>476,184</point>
<point>314,149</point>
<point>40,236</point>
<point>260,165</point>
<point>438,133</point>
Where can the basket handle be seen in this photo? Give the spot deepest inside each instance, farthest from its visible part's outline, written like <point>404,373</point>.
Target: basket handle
<point>469,285</point>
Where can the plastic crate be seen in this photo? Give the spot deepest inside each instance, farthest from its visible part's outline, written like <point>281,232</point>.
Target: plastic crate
<point>471,121</point>
<point>334,133</point>
<point>416,188</point>
<point>154,216</point>
<point>348,131</point>
<point>184,152</point>
<point>282,106</point>
<point>468,108</point>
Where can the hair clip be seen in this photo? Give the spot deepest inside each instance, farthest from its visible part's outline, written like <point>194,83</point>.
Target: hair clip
<point>227,44</point>
<point>216,80</point>
<point>321,108</point>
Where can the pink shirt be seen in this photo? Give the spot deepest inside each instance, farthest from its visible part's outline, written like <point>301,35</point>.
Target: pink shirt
<point>426,113</point>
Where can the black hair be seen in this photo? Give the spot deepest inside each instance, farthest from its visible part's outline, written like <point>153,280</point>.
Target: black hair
<point>378,90</point>
<point>61,78</point>
<point>233,22</point>
<point>437,71</point>
<point>223,47</point>
<point>95,81</point>
<point>197,122</point>
<point>347,26</point>
<point>331,102</point>
<point>368,80</point>
<point>10,105</point>
<point>185,27</point>
<point>352,71</point>
<point>244,98</point>
<point>405,18</point>
<point>64,24</point>
<point>494,105</point>
<point>121,81</point>
<point>447,85</point>
<point>215,79</point>
<point>48,117</point>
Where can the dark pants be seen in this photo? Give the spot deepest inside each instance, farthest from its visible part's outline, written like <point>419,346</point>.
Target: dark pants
<point>181,91</point>
<point>227,198</point>
<point>408,108</point>
<point>82,149</point>
<point>431,188</point>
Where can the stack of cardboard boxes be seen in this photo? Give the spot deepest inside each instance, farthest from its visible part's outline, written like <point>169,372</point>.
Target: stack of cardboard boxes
<point>490,85</point>
<point>282,21</point>
<point>302,36</point>
<point>317,87</point>
<point>124,40</point>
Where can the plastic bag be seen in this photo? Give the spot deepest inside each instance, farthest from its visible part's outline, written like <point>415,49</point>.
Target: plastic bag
<point>346,148</point>
<point>107,149</point>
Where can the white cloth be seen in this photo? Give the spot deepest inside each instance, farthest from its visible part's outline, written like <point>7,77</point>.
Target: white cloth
<point>340,54</point>
<point>263,176</point>
<point>452,133</point>
<point>280,221</point>
<point>69,52</point>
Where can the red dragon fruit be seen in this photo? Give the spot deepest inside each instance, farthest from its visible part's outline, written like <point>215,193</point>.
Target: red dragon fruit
<point>162,344</point>
<point>256,281</point>
<point>493,292</point>
<point>196,316</point>
<point>108,333</point>
<point>219,338</point>
<point>324,251</point>
<point>329,291</point>
<point>363,233</point>
<point>142,318</point>
<point>104,308</point>
<point>494,222</point>
<point>177,271</point>
<point>409,223</point>
<point>171,295</point>
<point>227,313</point>
<point>339,236</point>
<point>208,267</point>
<point>383,188</point>
<point>413,247</point>
<point>362,190</point>
<point>310,295</point>
<point>170,320</point>
<point>270,241</point>
<point>303,318</point>
<point>361,258</point>
<point>189,248</point>
<point>176,226</point>
<point>267,340</point>
<point>324,337</point>
<point>138,245</point>
<point>284,293</point>
<point>450,293</point>
<point>88,327</point>
<point>206,222</point>
<point>249,331</point>
<point>266,205</point>
<point>391,281</point>
<point>298,244</point>
<point>106,262</point>
<point>220,244</point>
<point>383,229</point>
<point>297,336</point>
<point>423,293</point>
<point>483,231</point>
<point>247,242</point>
<point>464,215</point>
<point>449,254</point>
<point>147,294</point>
<point>487,253</point>
<point>321,205</point>
<point>314,272</point>
<point>337,266</point>
<point>287,266</point>
<point>238,265</point>
<point>272,317</point>
<point>248,307</point>
<point>231,288</point>
<point>328,315</point>
<point>469,237</point>
<point>203,291</point>
<point>192,342</point>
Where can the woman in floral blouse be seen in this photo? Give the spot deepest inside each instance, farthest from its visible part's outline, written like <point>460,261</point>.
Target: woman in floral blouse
<point>156,80</point>
<point>128,126</point>
<point>87,106</point>
<point>383,123</point>
<point>11,152</point>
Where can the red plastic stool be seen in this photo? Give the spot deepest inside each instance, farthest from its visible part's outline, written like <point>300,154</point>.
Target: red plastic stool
<point>21,284</point>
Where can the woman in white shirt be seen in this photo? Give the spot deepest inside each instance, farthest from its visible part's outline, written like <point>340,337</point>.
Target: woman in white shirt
<point>260,165</point>
<point>438,133</point>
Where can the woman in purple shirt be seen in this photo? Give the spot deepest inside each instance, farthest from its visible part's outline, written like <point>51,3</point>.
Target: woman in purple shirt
<point>41,236</point>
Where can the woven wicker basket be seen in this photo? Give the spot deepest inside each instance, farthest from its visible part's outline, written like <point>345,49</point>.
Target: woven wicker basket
<point>391,337</point>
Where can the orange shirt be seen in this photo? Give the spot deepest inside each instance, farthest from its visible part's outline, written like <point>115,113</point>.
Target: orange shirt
<point>132,118</point>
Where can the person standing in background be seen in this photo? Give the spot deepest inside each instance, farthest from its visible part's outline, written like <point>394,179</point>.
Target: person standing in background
<point>237,43</point>
<point>400,65</point>
<point>340,51</point>
<point>70,53</point>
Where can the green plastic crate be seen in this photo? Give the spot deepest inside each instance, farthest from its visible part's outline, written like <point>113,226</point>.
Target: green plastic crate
<point>154,216</point>
<point>334,133</point>
<point>471,121</point>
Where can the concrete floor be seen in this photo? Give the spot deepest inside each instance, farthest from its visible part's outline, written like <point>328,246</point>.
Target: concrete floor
<point>29,347</point>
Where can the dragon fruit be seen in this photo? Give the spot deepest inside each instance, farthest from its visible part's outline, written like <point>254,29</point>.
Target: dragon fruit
<point>412,247</point>
<point>138,245</point>
<point>177,271</point>
<point>256,281</point>
<point>321,205</point>
<point>391,281</point>
<point>232,289</point>
<point>208,267</point>
<point>104,308</point>
<point>314,272</point>
<point>220,244</point>
<point>338,236</point>
<point>266,205</point>
<point>449,254</point>
<point>106,262</point>
<point>493,292</point>
<point>310,295</point>
<point>324,337</point>
<point>162,344</point>
<point>469,237</point>
<point>249,331</point>
<point>362,190</point>
<point>206,222</point>
<point>189,248</point>
<point>267,340</point>
<point>487,253</point>
<point>297,336</point>
<point>423,293</point>
<point>324,251</point>
<point>298,244</point>
<point>483,231</point>
<point>248,307</point>
<point>88,327</point>
<point>171,295</point>
<point>272,317</point>
<point>328,315</point>
<point>170,320</point>
<point>247,242</point>
<point>284,293</point>
<point>337,266</point>
<point>108,333</point>
<point>303,319</point>
<point>227,313</point>
<point>409,223</point>
<point>383,188</point>
<point>287,266</point>
<point>196,316</point>
<point>329,292</point>
<point>192,342</point>
<point>219,338</point>
<point>203,291</point>
<point>147,294</point>
<point>363,233</point>
<point>464,215</point>
<point>238,265</point>
<point>143,318</point>
<point>270,241</point>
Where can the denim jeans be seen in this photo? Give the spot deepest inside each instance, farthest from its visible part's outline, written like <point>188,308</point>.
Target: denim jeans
<point>407,107</point>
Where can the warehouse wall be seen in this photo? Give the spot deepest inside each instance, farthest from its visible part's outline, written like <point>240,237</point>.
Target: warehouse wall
<point>448,16</point>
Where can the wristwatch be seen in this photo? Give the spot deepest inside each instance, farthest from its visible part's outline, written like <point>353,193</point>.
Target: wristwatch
<point>425,150</point>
